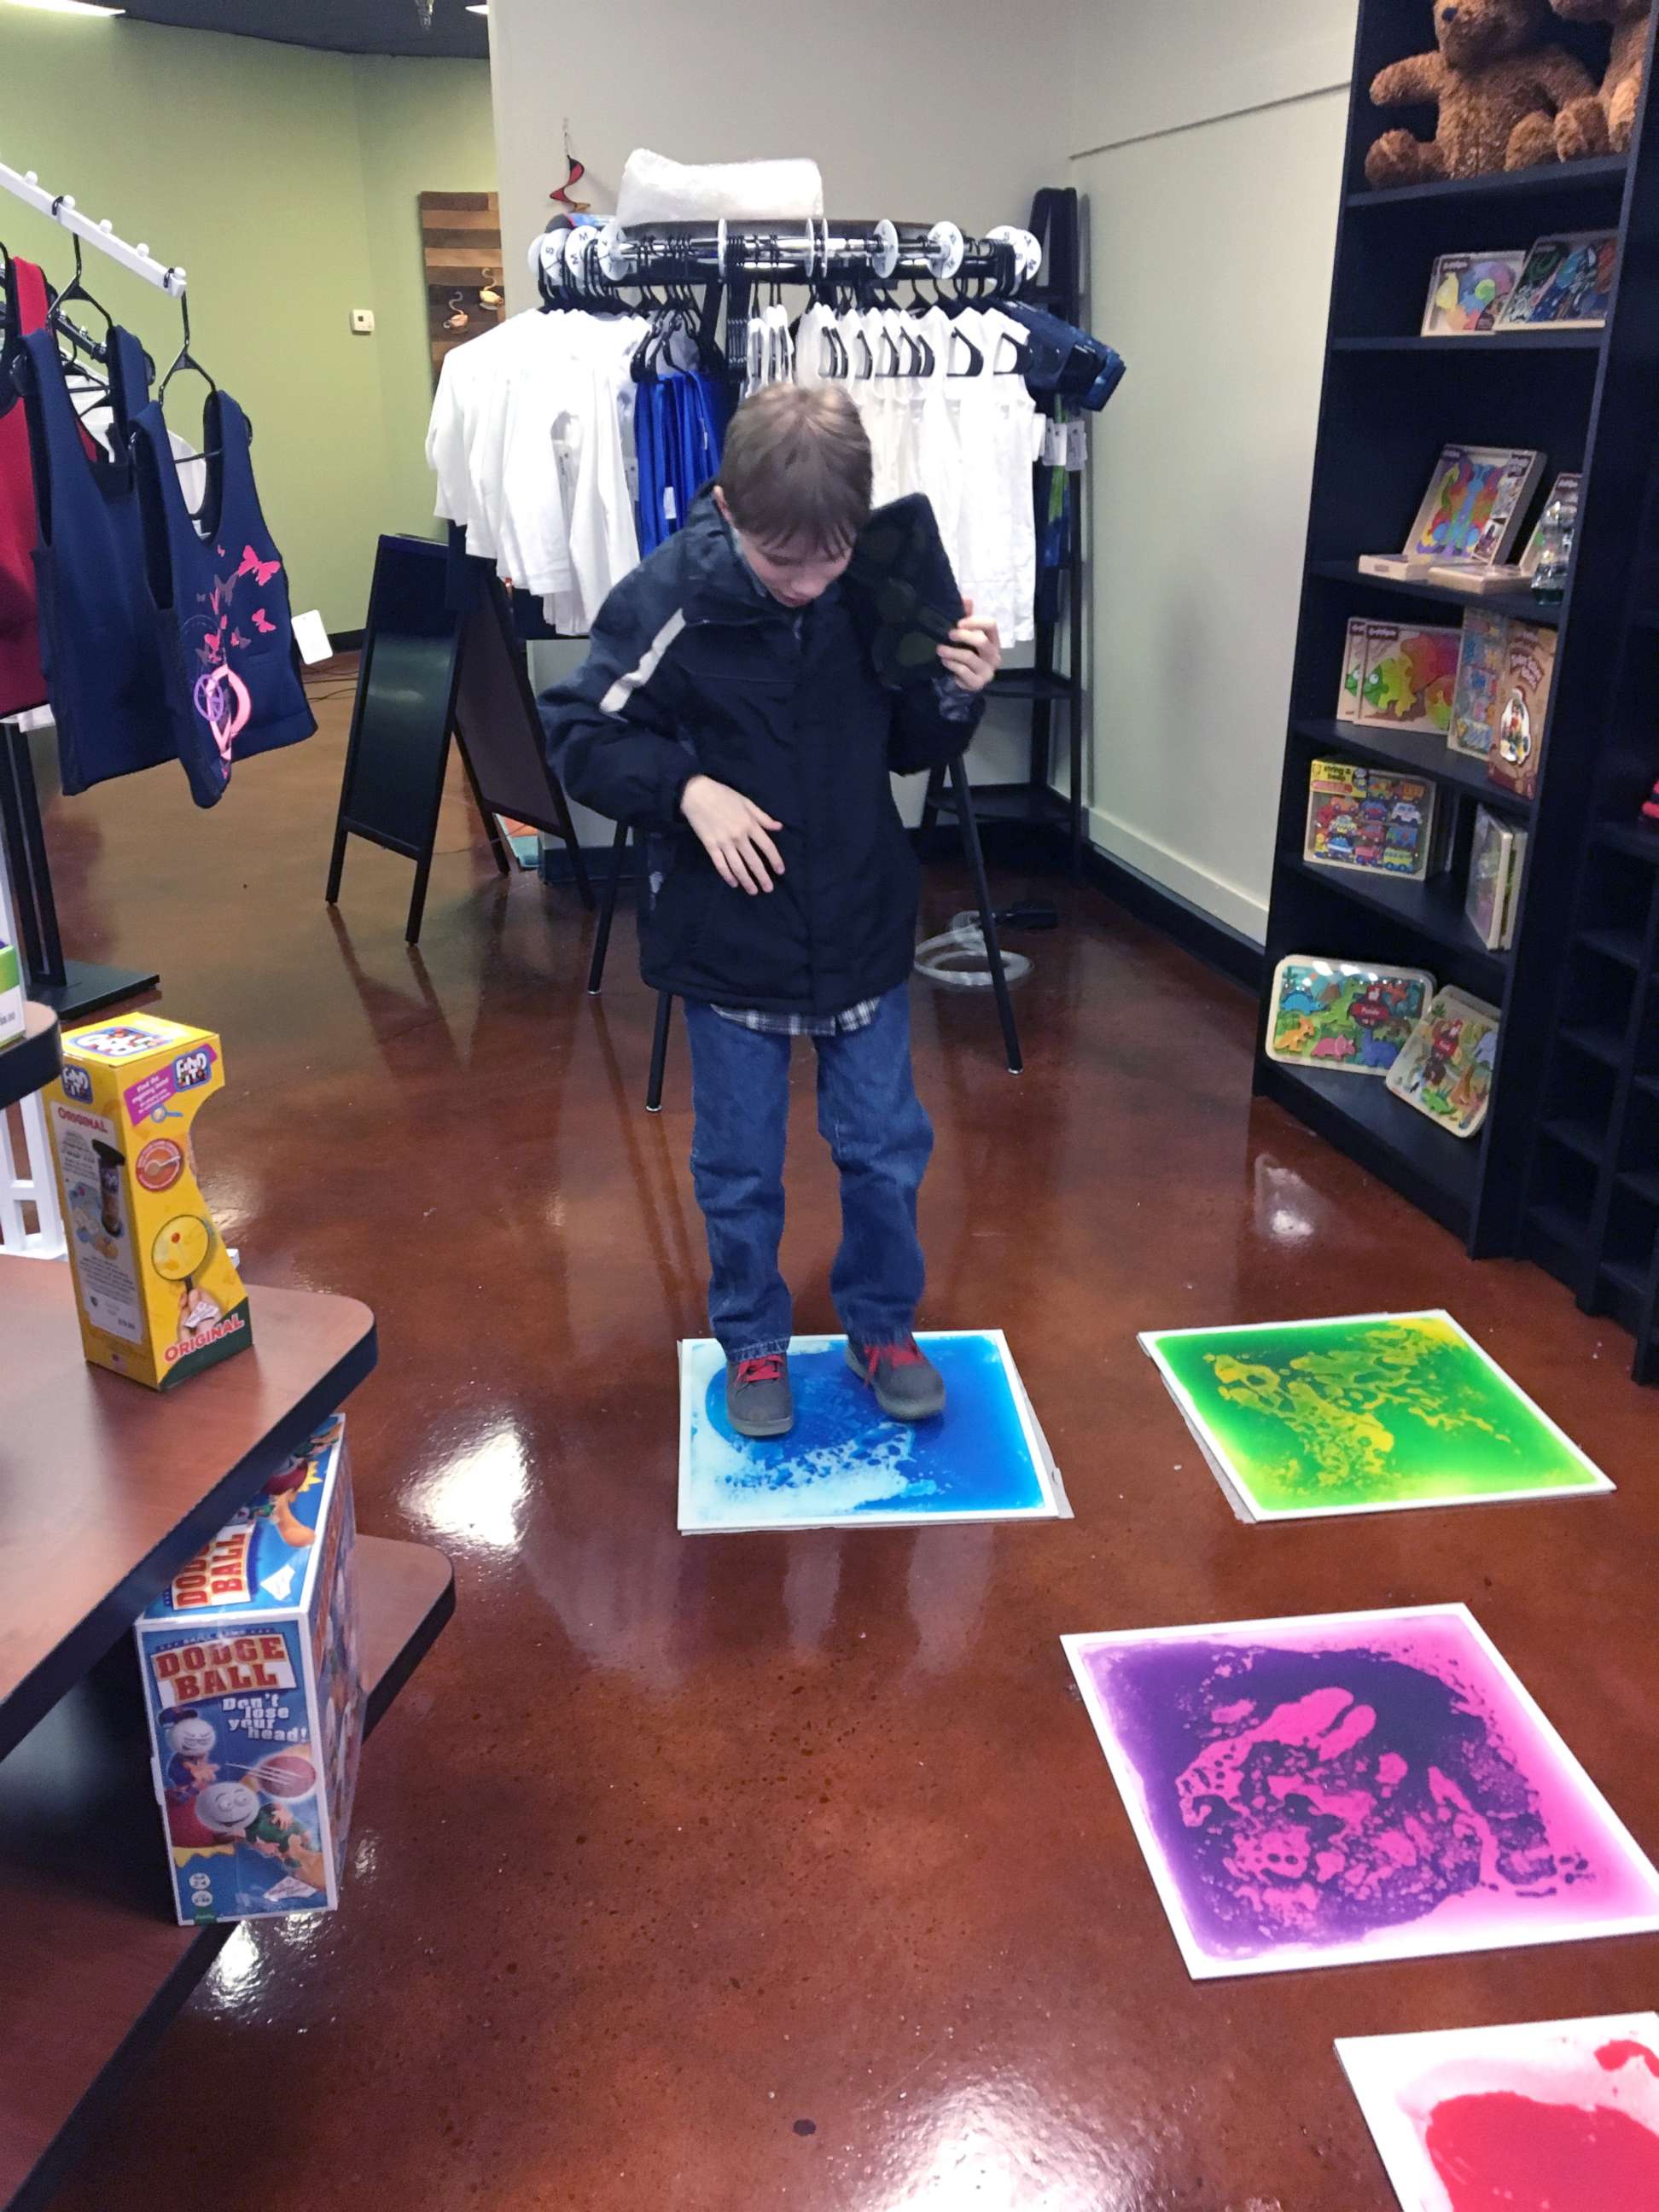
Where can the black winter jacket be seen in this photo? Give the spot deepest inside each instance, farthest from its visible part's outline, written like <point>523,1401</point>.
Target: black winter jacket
<point>694,670</point>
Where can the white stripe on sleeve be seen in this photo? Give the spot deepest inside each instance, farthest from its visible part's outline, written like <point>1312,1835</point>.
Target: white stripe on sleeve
<point>625,686</point>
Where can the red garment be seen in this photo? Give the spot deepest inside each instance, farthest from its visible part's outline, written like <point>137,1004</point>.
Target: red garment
<point>21,684</point>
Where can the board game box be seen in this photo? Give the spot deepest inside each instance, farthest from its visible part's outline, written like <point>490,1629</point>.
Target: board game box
<point>12,1018</point>
<point>1523,706</point>
<point>1410,673</point>
<point>158,1295</point>
<point>1344,1016</point>
<point>1447,1067</point>
<point>1368,818</point>
<point>254,1693</point>
<point>1486,645</point>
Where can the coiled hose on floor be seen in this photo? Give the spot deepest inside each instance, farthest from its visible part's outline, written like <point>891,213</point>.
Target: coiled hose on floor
<point>958,957</point>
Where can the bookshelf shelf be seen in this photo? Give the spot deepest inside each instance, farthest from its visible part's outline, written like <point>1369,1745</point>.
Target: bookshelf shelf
<point>1520,604</point>
<point>1573,181</point>
<point>1417,752</point>
<point>1433,910</point>
<point>1561,1172</point>
<point>1495,342</point>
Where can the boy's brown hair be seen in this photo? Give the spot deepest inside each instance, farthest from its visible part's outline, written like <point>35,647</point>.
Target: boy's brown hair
<point>797,468</point>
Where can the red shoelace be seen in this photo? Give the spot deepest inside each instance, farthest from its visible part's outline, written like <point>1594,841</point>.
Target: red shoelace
<point>908,1354</point>
<point>767,1370</point>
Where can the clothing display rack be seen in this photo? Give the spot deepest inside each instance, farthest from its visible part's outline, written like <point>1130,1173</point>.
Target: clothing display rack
<point>69,987</point>
<point>729,262</point>
<point>1562,1171</point>
<point>1047,683</point>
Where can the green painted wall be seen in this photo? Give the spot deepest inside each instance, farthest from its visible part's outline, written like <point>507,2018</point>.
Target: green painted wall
<point>424,127</point>
<point>284,181</point>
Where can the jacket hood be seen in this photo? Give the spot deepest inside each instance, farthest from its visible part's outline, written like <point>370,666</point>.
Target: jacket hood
<point>719,586</point>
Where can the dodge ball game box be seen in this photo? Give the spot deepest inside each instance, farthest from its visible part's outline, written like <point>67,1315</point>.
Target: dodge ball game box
<point>254,1695</point>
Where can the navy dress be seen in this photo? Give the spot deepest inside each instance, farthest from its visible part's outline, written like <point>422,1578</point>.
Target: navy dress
<point>100,652</point>
<point>220,603</point>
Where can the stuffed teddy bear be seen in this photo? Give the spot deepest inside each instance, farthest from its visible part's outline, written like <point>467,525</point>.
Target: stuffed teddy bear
<point>1604,123</point>
<point>1498,92</point>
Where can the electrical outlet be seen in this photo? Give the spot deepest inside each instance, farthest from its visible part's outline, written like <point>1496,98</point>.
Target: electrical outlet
<point>362,322</point>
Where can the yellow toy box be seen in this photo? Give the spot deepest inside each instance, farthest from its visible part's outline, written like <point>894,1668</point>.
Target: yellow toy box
<point>159,1296</point>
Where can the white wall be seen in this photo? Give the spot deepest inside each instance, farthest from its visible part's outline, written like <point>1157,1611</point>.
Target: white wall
<point>1216,128</point>
<point>1140,70</point>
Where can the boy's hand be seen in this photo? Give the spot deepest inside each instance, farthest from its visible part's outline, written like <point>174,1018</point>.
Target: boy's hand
<point>731,831</point>
<point>975,653</point>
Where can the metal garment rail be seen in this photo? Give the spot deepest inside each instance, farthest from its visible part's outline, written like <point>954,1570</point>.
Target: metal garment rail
<point>60,208</point>
<point>592,264</point>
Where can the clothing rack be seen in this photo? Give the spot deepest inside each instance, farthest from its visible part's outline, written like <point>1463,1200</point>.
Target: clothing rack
<point>71,987</point>
<point>589,267</point>
<point>1054,682</point>
<point>592,265</point>
<point>60,208</point>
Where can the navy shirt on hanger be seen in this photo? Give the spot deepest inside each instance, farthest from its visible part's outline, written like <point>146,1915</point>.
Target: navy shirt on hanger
<point>99,649</point>
<point>220,599</point>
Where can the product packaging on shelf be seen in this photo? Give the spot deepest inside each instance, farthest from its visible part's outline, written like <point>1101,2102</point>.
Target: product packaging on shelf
<point>158,1296</point>
<point>254,1693</point>
<point>11,996</point>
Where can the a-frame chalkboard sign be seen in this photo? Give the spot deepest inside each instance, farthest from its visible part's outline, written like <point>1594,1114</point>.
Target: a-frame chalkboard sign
<point>432,670</point>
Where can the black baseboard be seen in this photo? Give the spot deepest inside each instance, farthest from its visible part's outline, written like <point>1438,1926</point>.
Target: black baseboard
<point>347,640</point>
<point>1215,943</point>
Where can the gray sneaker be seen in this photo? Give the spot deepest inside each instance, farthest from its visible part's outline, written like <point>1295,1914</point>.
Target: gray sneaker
<point>907,1385</point>
<point>758,1400</point>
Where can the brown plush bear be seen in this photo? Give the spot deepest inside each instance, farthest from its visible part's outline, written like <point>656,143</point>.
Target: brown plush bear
<point>1604,123</point>
<point>1497,90</point>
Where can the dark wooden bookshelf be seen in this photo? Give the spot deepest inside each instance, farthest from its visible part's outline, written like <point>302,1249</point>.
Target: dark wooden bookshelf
<point>1567,1169</point>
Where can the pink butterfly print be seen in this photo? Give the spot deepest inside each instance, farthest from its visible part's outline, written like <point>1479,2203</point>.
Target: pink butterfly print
<point>262,623</point>
<point>254,566</point>
<point>237,639</point>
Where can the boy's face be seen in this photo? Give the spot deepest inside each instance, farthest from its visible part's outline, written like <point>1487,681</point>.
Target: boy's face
<point>795,574</point>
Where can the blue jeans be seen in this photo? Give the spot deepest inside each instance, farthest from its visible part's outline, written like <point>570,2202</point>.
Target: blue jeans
<point>881,1140</point>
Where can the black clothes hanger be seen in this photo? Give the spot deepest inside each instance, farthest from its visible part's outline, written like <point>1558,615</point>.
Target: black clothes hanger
<point>185,362</point>
<point>73,290</point>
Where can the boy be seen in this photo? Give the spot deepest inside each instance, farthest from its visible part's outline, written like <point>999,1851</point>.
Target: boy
<point>729,697</point>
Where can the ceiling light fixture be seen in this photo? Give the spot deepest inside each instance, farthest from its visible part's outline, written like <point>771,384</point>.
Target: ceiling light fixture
<point>477,7</point>
<point>70,7</point>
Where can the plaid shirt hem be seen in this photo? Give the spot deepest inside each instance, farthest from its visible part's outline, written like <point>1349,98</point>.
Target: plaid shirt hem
<point>847,1023</point>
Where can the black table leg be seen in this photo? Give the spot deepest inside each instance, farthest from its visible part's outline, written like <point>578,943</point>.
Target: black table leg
<point>607,913</point>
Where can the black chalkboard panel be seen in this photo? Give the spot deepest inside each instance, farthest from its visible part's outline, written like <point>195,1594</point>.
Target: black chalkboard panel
<point>496,720</point>
<point>439,656</point>
<point>401,719</point>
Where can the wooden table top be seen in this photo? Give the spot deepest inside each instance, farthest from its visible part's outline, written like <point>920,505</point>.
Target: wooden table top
<point>106,1487</point>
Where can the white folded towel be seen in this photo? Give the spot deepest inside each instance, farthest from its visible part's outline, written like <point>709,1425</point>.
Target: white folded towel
<point>657,190</point>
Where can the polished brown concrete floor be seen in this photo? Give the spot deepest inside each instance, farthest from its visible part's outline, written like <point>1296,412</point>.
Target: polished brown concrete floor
<point>715,1874</point>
